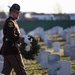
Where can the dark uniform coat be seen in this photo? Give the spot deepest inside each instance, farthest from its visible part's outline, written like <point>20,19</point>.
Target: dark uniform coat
<point>11,35</point>
<point>10,49</point>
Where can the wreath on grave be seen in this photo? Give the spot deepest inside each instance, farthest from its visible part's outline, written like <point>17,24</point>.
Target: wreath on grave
<point>34,48</point>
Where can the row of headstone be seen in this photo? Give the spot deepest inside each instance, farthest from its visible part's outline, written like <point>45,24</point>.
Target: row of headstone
<point>53,64</point>
<point>70,29</point>
<point>37,31</point>
<point>59,30</point>
<point>54,45</point>
<point>66,36</point>
<point>44,34</point>
<point>40,31</point>
<point>64,33</point>
<point>54,30</point>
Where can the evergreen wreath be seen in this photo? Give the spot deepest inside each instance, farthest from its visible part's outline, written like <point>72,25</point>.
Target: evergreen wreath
<point>32,53</point>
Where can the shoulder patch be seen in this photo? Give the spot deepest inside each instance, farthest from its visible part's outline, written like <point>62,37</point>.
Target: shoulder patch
<point>10,24</point>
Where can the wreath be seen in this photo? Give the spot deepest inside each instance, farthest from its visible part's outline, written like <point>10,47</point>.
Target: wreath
<point>34,48</point>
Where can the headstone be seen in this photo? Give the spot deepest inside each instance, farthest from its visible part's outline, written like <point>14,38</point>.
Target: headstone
<point>60,31</point>
<point>55,30</point>
<point>2,74</point>
<point>49,43</point>
<point>64,67</point>
<point>72,55</point>
<point>1,62</point>
<point>44,59</point>
<point>1,35</point>
<point>66,50</point>
<point>38,58</point>
<point>31,33</point>
<point>72,28</point>
<point>68,38</point>
<point>48,32</point>
<point>22,31</point>
<point>0,45</point>
<point>56,46</point>
<point>72,42</point>
<point>52,64</point>
<point>46,38</point>
<point>73,73</point>
<point>68,30</point>
<point>64,35</point>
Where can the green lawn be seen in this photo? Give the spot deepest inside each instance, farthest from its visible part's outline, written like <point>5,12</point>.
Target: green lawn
<point>34,68</point>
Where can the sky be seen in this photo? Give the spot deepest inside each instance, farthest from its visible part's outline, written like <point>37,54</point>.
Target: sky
<point>41,6</point>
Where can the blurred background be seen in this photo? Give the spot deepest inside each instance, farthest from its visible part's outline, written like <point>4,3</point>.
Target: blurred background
<point>43,13</point>
<point>52,22</point>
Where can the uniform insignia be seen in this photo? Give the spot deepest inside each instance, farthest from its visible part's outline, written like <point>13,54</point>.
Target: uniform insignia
<point>10,24</point>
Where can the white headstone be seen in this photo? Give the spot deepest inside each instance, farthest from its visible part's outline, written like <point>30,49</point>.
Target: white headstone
<point>60,31</point>
<point>64,67</point>
<point>72,42</point>
<point>44,59</point>
<point>64,35</point>
<point>52,64</point>
<point>73,73</point>
<point>23,33</point>
<point>56,46</point>
<point>49,43</point>
<point>72,55</point>
<point>72,28</point>
<point>2,74</point>
<point>68,38</point>
<point>1,62</point>
<point>68,30</point>
<point>0,45</point>
<point>66,50</point>
<point>38,58</point>
<point>55,30</point>
<point>46,38</point>
<point>1,34</point>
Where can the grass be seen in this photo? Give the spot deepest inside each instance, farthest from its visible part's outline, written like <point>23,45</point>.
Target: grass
<point>33,68</point>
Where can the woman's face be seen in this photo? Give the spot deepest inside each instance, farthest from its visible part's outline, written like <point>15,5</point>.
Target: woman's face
<point>16,15</point>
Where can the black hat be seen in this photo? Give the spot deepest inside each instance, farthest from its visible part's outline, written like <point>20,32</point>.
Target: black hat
<point>15,7</point>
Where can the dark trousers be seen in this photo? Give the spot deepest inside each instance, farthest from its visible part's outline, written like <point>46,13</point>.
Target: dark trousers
<point>13,62</point>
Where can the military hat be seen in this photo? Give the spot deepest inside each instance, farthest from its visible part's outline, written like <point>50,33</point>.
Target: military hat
<point>15,7</point>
